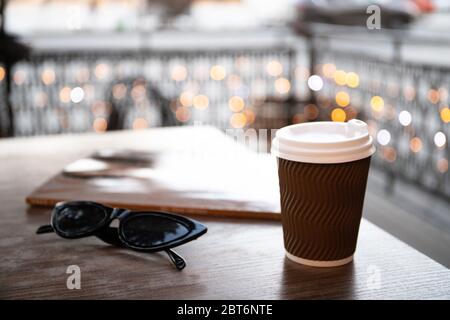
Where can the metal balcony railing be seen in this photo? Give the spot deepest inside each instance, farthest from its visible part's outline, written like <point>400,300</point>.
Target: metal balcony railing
<point>77,92</point>
<point>404,103</point>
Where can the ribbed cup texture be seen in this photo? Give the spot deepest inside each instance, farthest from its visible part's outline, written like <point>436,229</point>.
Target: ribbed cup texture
<point>321,207</point>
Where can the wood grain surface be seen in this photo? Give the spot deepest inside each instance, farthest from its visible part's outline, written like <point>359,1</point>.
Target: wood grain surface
<point>237,258</point>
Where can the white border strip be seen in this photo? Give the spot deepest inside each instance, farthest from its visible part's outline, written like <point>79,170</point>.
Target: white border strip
<point>318,263</point>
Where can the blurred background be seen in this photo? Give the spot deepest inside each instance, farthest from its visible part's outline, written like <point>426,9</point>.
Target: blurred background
<point>71,66</point>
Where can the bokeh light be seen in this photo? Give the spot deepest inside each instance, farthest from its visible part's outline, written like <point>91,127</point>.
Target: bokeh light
<point>183,114</point>
<point>250,116</point>
<point>298,118</point>
<point>315,83</point>
<point>64,94</point>
<point>179,73</point>
<point>433,96</point>
<point>100,108</point>
<point>328,70</point>
<point>415,144</point>
<point>338,115</point>
<point>48,76</point>
<point>2,73</point>
<point>19,77</point>
<point>377,103</point>
<point>140,123</point>
<point>236,104</point>
<point>342,99</point>
<point>40,99</point>
<point>405,118</point>
<point>383,137</point>
<point>442,165</point>
<point>200,102</point>
<point>186,98</point>
<point>218,72</point>
<point>443,94</point>
<point>409,93</point>
<point>101,70</point>
<point>389,154</point>
<point>311,112</point>
<point>352,80</point>
<point>340,77</point>
<point>238,120</point>
<point>445,114</point>
<point>440,139</point>
<point>100,125</point>
<point>138,92</point>
<point>77,95</point>
<point>274,68</point>
<point>282,85</point>
<point>119,91</point>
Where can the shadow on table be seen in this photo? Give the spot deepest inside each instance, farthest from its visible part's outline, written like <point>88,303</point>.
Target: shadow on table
<point>303,282</point>
<point>37,216</point>
<point>153,260</point>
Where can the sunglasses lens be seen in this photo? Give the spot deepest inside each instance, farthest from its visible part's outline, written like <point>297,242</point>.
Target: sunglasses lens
<point>148,230</point>
<point>76,220</point>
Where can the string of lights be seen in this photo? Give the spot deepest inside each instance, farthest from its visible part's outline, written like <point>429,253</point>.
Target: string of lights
<point>405,105</point>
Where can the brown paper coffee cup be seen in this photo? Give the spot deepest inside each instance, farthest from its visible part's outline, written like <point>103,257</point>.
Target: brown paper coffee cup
<point>322,201</point>
<point>321,207</point>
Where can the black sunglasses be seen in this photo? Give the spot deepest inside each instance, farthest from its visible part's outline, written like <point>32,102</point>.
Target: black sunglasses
<point>139,231</point>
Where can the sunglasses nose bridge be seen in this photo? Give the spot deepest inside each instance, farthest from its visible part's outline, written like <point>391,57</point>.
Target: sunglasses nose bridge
<point>119,213</point>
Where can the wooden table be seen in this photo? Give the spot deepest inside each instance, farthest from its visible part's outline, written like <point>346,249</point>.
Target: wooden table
<point>235,259</point>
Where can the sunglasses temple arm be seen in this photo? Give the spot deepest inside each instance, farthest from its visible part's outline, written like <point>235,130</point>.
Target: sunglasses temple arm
<point>45,229</point>
<point>177,260</point>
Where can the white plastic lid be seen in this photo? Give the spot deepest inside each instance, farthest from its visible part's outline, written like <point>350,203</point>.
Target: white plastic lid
<point>324,142</point>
